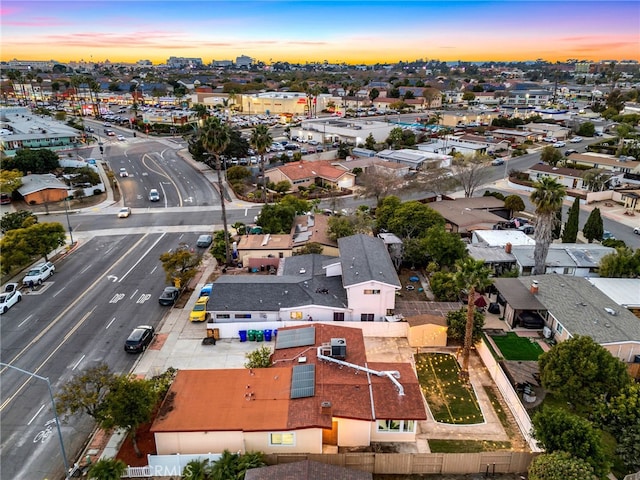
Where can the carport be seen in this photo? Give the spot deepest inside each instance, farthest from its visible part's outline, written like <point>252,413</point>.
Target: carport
<point>517,302</point>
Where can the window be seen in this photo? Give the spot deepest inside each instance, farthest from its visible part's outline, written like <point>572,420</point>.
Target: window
<point>223,315</point>
<point>283,438</point>
<point>396,426</point>
<point>367,317</point>
<point>295,315</point>
<point>559,327</point>
<point>242,315</point>
<point>372,292</point>
<point>338,316</point>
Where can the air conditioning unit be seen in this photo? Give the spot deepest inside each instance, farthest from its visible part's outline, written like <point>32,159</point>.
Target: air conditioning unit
<point>339,348</point>
<point>546,332</point>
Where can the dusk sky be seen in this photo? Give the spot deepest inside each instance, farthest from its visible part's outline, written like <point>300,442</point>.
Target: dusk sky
<point>368,31</point>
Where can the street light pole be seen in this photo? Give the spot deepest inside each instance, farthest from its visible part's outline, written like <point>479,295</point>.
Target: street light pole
<point>66,211</point>
<point>55,413</point>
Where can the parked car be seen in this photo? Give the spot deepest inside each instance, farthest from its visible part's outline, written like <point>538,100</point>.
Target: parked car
<point>9,299</point>
<point>139,339</point>
<point>123,172</point>
<point>204,241</point>
<point>576,140</point>
<point>199,312</point>
<point>154,195</point>
<point>124,212</point>
<point>559,144</point>
<point>39,274</point>
<point>607,235</point>
<point>206,290</point>
<point>168,296</point>
<point>5,199</point>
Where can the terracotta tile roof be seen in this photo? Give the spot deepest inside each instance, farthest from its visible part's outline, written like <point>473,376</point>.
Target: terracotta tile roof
<point>301,170</point>
<point>219,400</point>
<point>388,404</point>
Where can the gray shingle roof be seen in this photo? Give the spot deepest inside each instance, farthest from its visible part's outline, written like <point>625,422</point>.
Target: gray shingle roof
<point>580,308</point>
<point>365,259</point>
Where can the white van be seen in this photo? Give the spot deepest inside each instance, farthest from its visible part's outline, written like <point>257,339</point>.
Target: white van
<point>154,195</point>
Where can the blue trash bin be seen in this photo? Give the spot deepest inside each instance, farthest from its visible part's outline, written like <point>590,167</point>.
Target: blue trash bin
<point>275,332</point>
<point>243,335</point>
<point>267,335</point>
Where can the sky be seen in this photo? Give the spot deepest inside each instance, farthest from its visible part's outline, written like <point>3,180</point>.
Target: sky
<point>361,31</point>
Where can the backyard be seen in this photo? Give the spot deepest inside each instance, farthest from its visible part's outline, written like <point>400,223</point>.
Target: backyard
<point>450,399</point>
<point>513,347</point>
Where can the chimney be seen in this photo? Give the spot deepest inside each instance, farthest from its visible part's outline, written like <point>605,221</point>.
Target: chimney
<point>534,287</point>
<point>325,408</point>
<point>507,247</point>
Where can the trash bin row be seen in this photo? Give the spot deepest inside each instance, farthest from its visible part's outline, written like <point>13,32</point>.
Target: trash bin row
<point>257,335</point>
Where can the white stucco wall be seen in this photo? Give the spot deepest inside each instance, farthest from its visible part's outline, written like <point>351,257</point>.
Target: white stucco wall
<point>378,304</point>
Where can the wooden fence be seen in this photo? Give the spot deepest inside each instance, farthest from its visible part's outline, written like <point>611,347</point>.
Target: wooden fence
<point>418,463</point>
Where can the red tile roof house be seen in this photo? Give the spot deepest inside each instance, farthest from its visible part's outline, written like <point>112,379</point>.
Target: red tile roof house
<point>320,394</point>
<point>304,174</point>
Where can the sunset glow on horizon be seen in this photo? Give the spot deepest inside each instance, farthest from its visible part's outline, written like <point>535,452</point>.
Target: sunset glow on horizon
<point>315,31</point>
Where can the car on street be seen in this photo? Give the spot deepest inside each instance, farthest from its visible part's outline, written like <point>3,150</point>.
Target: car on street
<point>550,139</point>
<point>124,212</point>
<point>9,299</point>
<point>559,144</point>
<point>110,133</point>
<point>123,172</point>
<point>154,195</point>
<point>497,161</point>
<point>168,296</point>
<point>204,241</point>
<point>199,312</point>
<point>569,151</point>
<point>576,140</point>
<point>139,339</point>
<point>607,235</point>
<point>121,138</point>
<point>39,274</point>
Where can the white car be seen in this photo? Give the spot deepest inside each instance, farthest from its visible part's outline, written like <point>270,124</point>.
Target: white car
<point>550,139</point>
<point>559,144</point>
<point>124,212</point>
<point>8,300</point>
<point>636,230</point>
<point>39,274</point>
<point>123,172</point>
<point>121,138</point>
<point>576,140</point>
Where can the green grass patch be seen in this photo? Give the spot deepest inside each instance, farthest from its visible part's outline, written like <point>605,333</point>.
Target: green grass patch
<point>514,347</point>
<point>450,399</point>
<point>466,446</point>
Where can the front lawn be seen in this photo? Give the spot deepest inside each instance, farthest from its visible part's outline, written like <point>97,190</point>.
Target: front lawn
<point>450,399</point>
<point>513,347</point>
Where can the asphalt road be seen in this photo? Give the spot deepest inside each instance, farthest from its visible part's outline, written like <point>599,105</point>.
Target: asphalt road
<point>80,317</point>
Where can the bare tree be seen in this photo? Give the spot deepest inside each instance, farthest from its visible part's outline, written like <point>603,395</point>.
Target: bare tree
<point>378,183</point>
<point>471,172</point>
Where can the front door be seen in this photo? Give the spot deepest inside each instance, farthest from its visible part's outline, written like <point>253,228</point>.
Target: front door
<point>330,437</point>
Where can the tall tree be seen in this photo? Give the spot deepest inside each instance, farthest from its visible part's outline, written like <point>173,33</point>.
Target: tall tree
<point>551,155</point>
<point>547,196</point>
<point>582,372</point>
<point>560,466</point>
<point>471,172</point>
<point>570,232</point>
<point>514,203</point>
<point>261,140</point>
<point>593,228</point>
<point>85,393</point>
<point>472,276</point>
<point>180,265</point>
<point>557,225</point>
<point>215,139</point>
<point>623,263</point>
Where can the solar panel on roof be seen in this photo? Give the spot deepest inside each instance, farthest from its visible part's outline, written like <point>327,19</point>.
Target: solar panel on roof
<point>299,337</point>
<point>303,381</point>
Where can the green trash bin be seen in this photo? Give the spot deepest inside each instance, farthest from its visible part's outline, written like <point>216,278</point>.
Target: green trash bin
<point>251,335</point>
<point>259,336</point>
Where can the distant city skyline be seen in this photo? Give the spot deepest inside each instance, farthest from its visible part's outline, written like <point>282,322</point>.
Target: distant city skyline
<point>374,31</point>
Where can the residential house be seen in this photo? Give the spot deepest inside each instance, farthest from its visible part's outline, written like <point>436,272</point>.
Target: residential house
<point>37,189</point>
<point>465,215</point>
<point>623,291</point>
<point>571,259</point>
<point>416,159</point>
<point>320,394</point>
<point>572,178</point>
<point>549,130</point>
<point>514,136</point>
<point>605,162</point>
<point>501,238</point>
<point>305,173</point>
<point>313,228</point>
<point>255,251</point>
<point>498,259</point>
<point>359,285</point>
<point>571,306</point>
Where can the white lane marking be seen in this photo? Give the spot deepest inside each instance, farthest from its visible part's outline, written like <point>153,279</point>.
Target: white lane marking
<point>142,256</point>
<point>34,417</point>
<point>109,324</point>
<point>78,362</point>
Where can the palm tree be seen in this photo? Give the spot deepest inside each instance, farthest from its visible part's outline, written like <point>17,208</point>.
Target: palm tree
<point>472,276</point>
<point>107,469</point>
<point>215,139</point>
<point>547,196</point>
<point>261,140</point>
<point>225,467</point>
<point>196,470</point>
